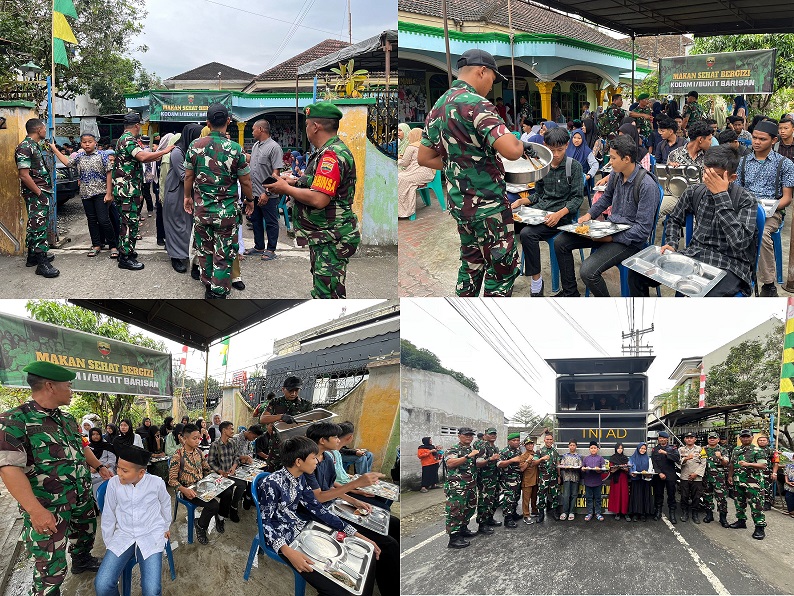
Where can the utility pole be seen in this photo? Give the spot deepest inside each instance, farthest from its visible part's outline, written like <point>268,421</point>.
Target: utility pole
<point>634,337</point>
<point>349,23</point>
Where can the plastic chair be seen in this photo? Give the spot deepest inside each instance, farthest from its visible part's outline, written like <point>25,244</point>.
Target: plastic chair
<point>436,186</point>
<point>282,205</point>
<point>778,249</point>
<point>259,542</point>
<point>126,575</point>
<point>191,511</point>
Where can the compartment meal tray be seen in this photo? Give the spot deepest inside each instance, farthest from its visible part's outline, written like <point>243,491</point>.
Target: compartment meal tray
<point>377,520</point>
<point>318,543</point>
<point>683,274</point>
<point>530,215</point>
<point>382,489</point>
<point>596,229</point>
<point>302,421</point>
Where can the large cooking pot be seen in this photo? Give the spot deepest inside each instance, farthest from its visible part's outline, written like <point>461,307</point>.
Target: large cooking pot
<point>523,171</point>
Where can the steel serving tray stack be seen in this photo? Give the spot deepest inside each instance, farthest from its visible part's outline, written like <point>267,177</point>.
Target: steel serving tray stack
<point>302,421</point>
<point>684,274</point>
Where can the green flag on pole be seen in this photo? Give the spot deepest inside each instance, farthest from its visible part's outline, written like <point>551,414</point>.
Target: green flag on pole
<point>61,30</point>
<point>225,349</point>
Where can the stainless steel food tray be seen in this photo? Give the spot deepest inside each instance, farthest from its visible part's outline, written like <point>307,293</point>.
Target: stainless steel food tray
<point>358,558</point>
<point>302,421</point>
<point>531,216</point>
<point>597,229</point>
<point>769,205</point>
<point>683,274</point>
<point>377,520</point>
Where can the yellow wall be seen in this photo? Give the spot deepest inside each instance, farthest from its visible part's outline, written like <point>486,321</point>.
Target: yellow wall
<point>353,132</point>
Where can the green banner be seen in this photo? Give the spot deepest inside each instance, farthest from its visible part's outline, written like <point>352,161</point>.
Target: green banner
<point>727,73</point>
<point>185,106</point>
<point>102,365</point>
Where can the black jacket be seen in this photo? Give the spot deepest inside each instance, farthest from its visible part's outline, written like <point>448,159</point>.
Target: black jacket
<point>664,463</point>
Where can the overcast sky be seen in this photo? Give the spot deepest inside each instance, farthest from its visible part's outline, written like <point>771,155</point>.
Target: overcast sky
<point>683,328</point>
<point>252,346</point>
<point>246,34</point>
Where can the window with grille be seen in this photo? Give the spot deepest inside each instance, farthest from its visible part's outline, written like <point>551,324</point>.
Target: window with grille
<point>449,431</point>
<point>578,96</point>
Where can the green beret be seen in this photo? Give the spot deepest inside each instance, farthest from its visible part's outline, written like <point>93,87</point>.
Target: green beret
<point>513,436</point>
<point>48,370</point>
<point>323,109</point>
<point>642,96</point>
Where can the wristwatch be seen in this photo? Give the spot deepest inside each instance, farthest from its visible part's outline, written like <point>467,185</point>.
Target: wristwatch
<point>248,200</point>
<point>101,466</point>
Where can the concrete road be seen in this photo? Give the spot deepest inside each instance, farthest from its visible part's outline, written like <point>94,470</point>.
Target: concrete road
<point>610,557</point>
<point>372,272</point>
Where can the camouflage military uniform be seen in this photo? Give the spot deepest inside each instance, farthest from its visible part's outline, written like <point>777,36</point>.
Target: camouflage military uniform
<point>29,154</point>
<point>487,482</point>
<point>461,128</point>
<point>767,474</point>
<point>548,479</point>
<point>128,190</point>
<point>748,483</point>
<point>694,111</point>
<point>644,126</point>
<point>282,405</point>
<point>217,163</point>
<point>715,480</point>
<point>460,489</point>
<point>509,482</point>
<point>610,120</point>
<point>48,445</point>
<point>332,231</point>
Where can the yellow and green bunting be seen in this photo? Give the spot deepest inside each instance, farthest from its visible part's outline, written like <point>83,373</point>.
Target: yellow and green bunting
<point>61,30</point>
<point>225,350</point>
<point>787,369</point>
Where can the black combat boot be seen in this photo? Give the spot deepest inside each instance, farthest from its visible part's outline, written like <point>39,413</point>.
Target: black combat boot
<point>684,513</point>
<point>466,533</point>
<point>32,261</point>
<point>695,519</point>
<point>484,529</point>
<point>657,513</point>
<point>129,262</point>
<point>510,518</point>
<point>85,562</point>
<point>724,520</point>
<point>457,541</point>
<point>492,522</point>
<point>739,524</point>
<point>541,514</point>
<point>759,533</point>
<point>709,517</point>
<point>44,267</point>
<point>671,514</point>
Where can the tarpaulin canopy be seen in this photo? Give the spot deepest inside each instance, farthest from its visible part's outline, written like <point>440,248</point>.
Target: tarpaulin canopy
<point>195,323</point>
<point>702,18</point>
<point>689,416</point>
<point>368,54</point>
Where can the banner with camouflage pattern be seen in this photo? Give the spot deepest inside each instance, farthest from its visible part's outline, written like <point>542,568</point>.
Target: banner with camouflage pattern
<point>102,365</point>
<point>726,73</point>
<point>185,106</point>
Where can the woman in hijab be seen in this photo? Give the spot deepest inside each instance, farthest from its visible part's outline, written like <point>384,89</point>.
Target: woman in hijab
<point>88,423</point>
<point>590,132</point>
<point>672,109</point>
<point>144,431</point>
<point>126,435</point>
<point>177,222</point>
<point>298,164</point>
<point>402,135</point>
<point>411,176</point>
<point>739,106</point>
<point>429,457</point>
<point>173,440</point>
<point>104,452</point>
<point>168,423</point>
<point>619,490</point>
<point>111,432</point>
<point>581,152</point>
<point>640,503</point>
<point>643,157</point>
<point>538,138</point>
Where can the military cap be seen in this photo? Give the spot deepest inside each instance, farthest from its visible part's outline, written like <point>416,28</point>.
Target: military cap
<point>48,370</point>
<point>490,431</point>
<point>746,432</point>
<point>713,435</point>
<point>217,114</point>
<point>465,430</point>
<point>689,434</point>
<point>134,455</point>
<point>513,436</point>
<point>529,440</point>
<point>664,434</point>
<point>292,383</point>
<point>323,109</point>
<point>132,118</point>
<point>480,58</point>
<point>642,96</point>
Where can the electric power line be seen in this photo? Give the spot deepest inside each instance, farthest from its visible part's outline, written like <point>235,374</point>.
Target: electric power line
<point>566,316</point>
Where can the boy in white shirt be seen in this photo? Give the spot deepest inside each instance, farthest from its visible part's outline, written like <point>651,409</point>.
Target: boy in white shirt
<point>135,523</point>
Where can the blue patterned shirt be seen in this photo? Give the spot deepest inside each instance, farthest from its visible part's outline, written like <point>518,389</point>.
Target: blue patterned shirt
<point>279,494</point>
<point>759,175</point>
<point>92,170</point>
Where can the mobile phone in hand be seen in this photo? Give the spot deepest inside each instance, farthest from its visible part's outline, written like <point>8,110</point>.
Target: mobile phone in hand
<point>270,180</point>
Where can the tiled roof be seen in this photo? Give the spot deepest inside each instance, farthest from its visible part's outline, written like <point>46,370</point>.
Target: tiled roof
<point>289,68</point>
<point>527,18</point>
<point>209,72</point>
<point>663,46</point>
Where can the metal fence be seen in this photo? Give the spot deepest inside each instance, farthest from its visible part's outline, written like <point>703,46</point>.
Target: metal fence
<point>382,123</point>
<point>321,388</point>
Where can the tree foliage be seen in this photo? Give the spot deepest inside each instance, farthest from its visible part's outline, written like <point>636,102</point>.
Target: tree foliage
<point>424,359</point>
<point>98,64</point>
<point>529,419</point>
<point>109,407</point>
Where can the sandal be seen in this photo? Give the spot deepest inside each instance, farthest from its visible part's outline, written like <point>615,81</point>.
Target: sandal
<point>252,251</point>
<point>269,255</point>
<point>139,237</point>
<point>114,253</point>
<point>423,490</point>
<point>94,251</point>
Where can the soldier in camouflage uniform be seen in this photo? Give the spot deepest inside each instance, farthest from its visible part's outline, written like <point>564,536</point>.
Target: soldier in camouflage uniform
<point>548,477</point>
<point>745,475</point>
<point>323,211</point>
<point>714,481</point>
<point>282,409</point>
<point>465,136</point>
<point>213,166</point>
<point>128,187</point>
<point>692,111</point>
<point>642,115</point>
<point>487,481</point>
<point>45,466</point>
<point>610,120</point>
<point>36,186</point>
<point>460,488</point>
<point>763,443</point>
<point>511,467</point>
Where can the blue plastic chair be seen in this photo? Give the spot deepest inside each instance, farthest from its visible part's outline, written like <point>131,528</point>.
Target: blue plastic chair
<point>191,510</point>
<point>778,249</point>
<point>436,186</point>
<point>282,205</point>
<point>259,542</point>
<point>126,575</point>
